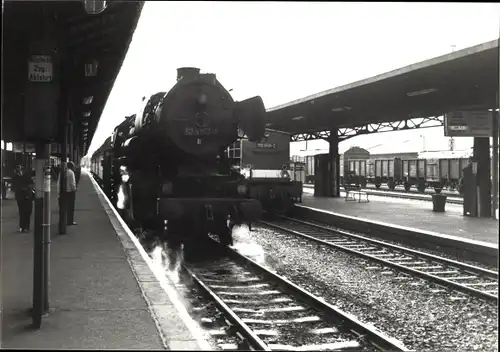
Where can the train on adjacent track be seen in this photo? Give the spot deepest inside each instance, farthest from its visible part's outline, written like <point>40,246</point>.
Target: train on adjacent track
<point>358,167</point>
<point>165,168</point>
<point>271,178</point>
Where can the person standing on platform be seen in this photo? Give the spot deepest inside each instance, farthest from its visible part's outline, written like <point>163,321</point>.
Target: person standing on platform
<point>23,186</point>
<point>4,183</point>
<point>4,189</point>
<point>70,193</point>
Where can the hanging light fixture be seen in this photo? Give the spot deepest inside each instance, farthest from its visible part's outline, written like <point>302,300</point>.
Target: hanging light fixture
<point>88,100</point>
<point>91,68</point>
<point>94,7</point>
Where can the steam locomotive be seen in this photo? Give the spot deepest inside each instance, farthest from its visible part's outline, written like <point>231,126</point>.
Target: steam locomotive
<point>166,169</point>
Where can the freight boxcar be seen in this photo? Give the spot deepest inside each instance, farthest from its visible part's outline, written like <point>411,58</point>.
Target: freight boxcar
<point>298,171</point>
<point>308,163</point>
<point>380,171</point>
<point>435,173</point>
<point>353,166</point>
<point>358,167</point>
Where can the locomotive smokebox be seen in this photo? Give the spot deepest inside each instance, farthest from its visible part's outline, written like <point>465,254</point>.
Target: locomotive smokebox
<point>187,72</point>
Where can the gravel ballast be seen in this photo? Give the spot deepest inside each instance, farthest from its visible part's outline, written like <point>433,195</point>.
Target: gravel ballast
<point>425,317</point>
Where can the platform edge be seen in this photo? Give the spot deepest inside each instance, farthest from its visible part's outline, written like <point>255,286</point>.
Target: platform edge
<point>403,228</point>
<point>131,246</point>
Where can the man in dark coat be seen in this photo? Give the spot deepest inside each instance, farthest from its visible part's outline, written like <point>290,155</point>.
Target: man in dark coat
<point>23,187</point>
<point>4,189</point>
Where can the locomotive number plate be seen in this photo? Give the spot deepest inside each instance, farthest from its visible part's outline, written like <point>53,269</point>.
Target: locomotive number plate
<point>189,131</point>
<point>267,145</point>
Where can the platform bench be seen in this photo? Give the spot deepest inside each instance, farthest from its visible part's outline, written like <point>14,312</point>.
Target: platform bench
<point>352,191</point>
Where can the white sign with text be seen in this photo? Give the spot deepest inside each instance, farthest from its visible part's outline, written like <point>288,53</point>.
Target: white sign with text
<point>40,68</point>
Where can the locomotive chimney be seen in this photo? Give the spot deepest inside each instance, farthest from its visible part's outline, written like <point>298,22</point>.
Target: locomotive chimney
<point>187,72</point>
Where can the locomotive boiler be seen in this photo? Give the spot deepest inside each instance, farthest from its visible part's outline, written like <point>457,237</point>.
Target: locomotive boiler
<point>169,160</point>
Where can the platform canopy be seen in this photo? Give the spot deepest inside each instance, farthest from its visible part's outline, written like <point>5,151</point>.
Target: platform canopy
<point>91,49</point>
<point>463,79</point>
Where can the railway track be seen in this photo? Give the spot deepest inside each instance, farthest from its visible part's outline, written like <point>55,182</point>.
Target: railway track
<point>272,313</point>
<point>469,279</point>
<point>452,199</point>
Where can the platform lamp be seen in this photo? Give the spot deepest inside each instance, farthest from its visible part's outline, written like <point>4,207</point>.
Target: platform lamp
<point>88,100</point>
<point>91,66</point>
<point>83,129</point>
<point>94,7</point>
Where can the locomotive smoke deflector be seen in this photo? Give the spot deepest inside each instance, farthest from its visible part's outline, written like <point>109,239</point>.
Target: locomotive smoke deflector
<point>251,114</point>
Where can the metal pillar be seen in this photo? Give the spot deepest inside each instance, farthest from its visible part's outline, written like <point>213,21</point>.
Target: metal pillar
<point>495,142</point>
<point>333,140</point>
<point>482,156</point>
<point>70,142</point>
<point>75,148</point>
<point>46,228</point>
<point>494,165</point>
<point>41,233</point>
<point>62,184</point>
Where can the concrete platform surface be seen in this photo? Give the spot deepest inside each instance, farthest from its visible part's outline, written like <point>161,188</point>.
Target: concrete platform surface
<point>103,292</point>
<point>412,214</point>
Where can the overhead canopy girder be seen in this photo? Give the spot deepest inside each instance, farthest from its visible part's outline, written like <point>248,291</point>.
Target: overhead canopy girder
<point>349,132</point>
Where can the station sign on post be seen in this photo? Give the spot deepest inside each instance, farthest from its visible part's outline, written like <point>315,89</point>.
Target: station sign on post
<point>468,124</point>
<point>40,68</point>
<point>20,147</point>
<point>41,94</point>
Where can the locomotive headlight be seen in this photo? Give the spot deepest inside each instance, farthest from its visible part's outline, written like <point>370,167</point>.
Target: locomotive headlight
<point>242,189</point>
<point>167,188</point>
<point>285,174</point>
